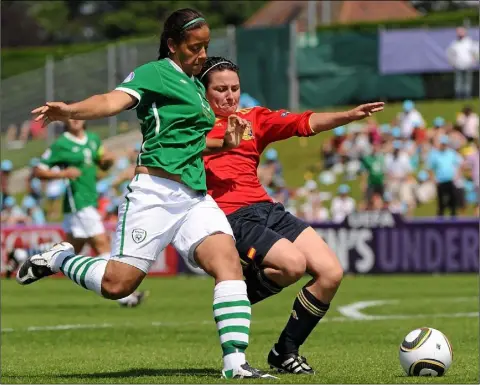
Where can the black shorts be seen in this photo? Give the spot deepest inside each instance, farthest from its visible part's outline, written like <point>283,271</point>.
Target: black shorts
<point>259,226</point>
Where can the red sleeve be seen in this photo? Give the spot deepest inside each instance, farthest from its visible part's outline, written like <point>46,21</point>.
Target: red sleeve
<point>277,125</point>
<point>218,130</point>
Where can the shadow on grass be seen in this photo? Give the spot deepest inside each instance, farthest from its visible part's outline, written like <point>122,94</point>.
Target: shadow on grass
<point>141,372</point>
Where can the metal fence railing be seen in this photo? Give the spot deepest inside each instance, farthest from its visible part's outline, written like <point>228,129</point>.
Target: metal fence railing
<point>77,77</point>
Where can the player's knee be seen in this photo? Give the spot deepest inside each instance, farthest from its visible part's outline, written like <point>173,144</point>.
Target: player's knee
<point>114,288</point>
<point>332,277</point>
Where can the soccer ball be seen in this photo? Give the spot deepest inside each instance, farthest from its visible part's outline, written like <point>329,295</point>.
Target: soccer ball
<point>425,352</point>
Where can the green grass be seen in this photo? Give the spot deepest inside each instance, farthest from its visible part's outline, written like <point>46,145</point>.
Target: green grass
<point>172,337</point>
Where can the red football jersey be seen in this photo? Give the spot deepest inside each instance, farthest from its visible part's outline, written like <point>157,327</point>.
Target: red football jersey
<point>232,178</point>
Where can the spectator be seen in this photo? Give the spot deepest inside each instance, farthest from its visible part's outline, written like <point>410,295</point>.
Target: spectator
<point>314,211</point>
<point>342,205</point>
<point>469,122</point>
<point>271,170</point>
<point>409,118</point>
<point>6,170</point>
<point>445,164</point>
<point>33,211</point>
<point>472,163</point>
<point>398,167</point>
<point>12,214</point>
<point>33,163</point>
<point>462,55</point>
<point>35,190</point>
<point>425,190</point>
<point>374,166</point>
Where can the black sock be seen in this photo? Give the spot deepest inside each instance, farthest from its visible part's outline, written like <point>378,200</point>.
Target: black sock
<point>259,286</point>
<point>307,312</point>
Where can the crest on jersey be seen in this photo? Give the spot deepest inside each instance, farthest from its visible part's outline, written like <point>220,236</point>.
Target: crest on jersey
<point>248,133</point>
<point>130,77</point>
<point>138,235</point>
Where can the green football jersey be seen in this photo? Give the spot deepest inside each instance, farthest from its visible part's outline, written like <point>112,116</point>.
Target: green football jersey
<point>84,154</point>
<point>174,118</point>
<point>375,166</point>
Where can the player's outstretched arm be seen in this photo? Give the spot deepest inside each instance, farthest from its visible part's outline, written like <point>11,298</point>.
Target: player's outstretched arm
<point>324,121</point>
<point>95,107</point>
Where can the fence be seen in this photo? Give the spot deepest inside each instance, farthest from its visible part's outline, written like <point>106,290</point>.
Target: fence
<point>278,66</point>
<point>80,76</point>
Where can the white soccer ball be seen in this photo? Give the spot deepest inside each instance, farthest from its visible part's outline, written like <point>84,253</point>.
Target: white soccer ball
<point>426,352</point>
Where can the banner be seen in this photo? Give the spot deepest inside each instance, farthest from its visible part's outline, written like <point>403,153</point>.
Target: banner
<point>366,242</point>
<point>31,239</point>
<point>381,242</point>
<point>414,51</point>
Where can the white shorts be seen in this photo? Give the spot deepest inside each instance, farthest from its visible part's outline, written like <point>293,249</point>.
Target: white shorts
<point>157,212</point>
<point>85,223</point>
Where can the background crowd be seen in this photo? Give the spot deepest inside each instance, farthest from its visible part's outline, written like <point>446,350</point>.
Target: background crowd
<point>398,167</point>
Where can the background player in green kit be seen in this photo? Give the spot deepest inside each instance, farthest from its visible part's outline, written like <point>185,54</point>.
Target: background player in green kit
<point>167,200</point>
<point>78,153</point>
<point>374,166</point>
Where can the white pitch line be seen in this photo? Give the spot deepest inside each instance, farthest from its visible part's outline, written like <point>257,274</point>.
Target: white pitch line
<point>353,310</point>
<point>211,322</point>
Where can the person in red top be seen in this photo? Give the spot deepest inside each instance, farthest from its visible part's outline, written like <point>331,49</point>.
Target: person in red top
<point>276,248</point>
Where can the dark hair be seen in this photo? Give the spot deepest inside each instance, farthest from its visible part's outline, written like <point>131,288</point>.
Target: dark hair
<point>215,63</point>
<point>175,27</point>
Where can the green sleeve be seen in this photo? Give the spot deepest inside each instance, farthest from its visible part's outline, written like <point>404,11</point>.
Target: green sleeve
<point>142,80</point>
<point>52,156</point>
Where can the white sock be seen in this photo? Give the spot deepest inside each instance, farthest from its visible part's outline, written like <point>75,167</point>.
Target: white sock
<point>84,271</point>
<point>232,312</point>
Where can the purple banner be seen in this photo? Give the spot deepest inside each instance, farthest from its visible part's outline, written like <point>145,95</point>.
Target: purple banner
<point>417,50</point>
<point>379,242</point>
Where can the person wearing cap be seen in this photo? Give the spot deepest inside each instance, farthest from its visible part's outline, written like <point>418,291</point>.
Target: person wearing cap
<point>342,205</point>
<point>444,164</point>
<point>408,118</point>
<point>425,189</point>
<point>398,167</point>
<point>12,214</point>
<point>6,168</point>
<point>33,211</point>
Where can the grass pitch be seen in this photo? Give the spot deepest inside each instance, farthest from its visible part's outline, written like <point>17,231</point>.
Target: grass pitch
<point>56,332</point>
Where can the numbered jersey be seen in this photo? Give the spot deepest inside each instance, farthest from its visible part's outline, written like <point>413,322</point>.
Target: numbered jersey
<point>84,154</point>
<point>174,118</point>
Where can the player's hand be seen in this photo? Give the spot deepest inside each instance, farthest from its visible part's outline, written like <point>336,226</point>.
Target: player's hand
<point>71,173</point>
<point>365,110</point>
<point>235,128</point>
<point>52,111</point>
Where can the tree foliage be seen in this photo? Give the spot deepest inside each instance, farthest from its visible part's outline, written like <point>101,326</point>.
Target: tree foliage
<point>68,21</point>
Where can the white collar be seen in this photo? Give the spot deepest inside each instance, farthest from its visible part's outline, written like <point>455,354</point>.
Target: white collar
<point>177,67</point>
<point>82,141</point>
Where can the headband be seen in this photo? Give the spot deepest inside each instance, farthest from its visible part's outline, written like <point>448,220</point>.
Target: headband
<point>222,62</point>
<point>192,22</point>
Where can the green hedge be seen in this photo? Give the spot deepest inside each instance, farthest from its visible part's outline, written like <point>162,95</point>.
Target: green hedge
<point>433,20</point>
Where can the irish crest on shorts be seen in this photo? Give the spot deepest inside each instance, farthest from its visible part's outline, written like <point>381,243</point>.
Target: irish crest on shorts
<point>139,235</point>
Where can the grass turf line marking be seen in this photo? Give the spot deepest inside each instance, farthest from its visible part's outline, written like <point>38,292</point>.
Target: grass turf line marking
<point>174,324</point>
